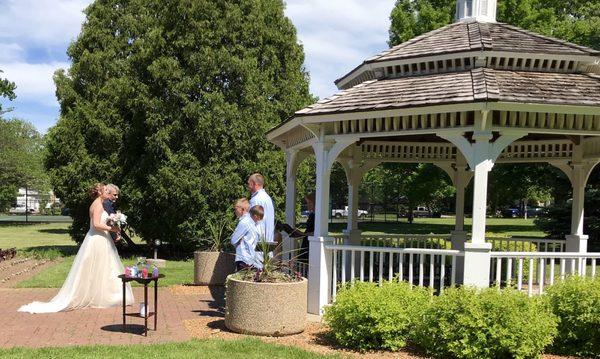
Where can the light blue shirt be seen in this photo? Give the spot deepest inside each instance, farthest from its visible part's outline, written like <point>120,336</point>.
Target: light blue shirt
<point>244,239</point>
<point>267,224</point>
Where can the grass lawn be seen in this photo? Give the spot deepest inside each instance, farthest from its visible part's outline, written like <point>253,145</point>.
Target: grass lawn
<point>501,227</point>
<point>176,272</point>
<point>39,235</point>
<point>246,348</point>
<point>52,240</point>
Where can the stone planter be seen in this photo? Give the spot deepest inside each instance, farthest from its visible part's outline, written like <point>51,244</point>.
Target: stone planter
<point>212,268</point>
<point>273,309</point>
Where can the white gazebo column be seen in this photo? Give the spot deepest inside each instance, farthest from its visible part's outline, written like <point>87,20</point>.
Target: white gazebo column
<point>293,159</point>
<point>461,178</point>
<point>477,252</point>
<point>480,156</point>
<point>576,240</point>
<point>320,259</point>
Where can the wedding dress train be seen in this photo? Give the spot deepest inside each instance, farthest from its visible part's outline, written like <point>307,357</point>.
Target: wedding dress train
<point>92,281</point>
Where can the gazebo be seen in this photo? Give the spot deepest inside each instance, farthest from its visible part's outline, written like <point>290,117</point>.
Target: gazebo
<point>462,97</point>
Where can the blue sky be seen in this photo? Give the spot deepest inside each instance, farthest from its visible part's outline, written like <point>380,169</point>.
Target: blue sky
<point>34,35</point>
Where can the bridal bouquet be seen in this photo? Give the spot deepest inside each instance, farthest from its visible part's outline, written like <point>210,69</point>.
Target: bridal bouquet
<point>117,219</point>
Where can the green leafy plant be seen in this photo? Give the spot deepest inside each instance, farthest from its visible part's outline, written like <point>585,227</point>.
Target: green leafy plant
<point>367,316</point>
<point>467,323</point>
<point>218,235</point>
<point>576,303</point>
<point>274,268</point>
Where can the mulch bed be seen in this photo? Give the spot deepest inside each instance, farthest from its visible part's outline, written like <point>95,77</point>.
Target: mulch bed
<point>315,338</point>
<point>18,269</point>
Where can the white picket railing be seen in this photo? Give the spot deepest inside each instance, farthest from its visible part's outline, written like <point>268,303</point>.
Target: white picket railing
<point>513,244</point>
<point>535,270</point>
<point>434,268</point>
<point>425,241</point>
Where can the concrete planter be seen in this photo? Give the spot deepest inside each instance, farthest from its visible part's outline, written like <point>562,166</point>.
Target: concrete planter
<point>212,268</point>
<point>273,309</point>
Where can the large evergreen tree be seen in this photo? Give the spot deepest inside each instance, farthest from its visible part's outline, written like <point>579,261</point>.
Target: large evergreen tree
<point>172,99</point>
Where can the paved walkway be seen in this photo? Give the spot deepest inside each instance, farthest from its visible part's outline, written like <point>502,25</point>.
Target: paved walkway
<point>99,326</point>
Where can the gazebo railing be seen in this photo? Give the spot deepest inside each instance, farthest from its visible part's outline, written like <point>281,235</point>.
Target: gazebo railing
<point>514,244</point>
<point>533,271</point>
<point>434,268</point>
<point>425,241</point>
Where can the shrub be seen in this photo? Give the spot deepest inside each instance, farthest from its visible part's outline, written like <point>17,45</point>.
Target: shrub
<point>466,323</point>
<point>576,303</point>
<point>366,316</point>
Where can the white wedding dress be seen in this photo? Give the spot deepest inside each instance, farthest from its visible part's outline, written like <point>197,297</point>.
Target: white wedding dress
<point>92,281</point>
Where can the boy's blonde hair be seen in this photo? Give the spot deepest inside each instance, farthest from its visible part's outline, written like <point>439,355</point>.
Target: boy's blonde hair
<point>243,202</point>
<point>257,211</point>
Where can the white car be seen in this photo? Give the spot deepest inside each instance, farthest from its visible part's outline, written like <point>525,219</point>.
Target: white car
<point>339,213</point>
<point>20,210</point>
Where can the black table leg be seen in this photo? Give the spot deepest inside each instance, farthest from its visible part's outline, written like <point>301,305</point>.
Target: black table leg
<point>155,302</point>
<point>124,290</point>
<point>146,309</point>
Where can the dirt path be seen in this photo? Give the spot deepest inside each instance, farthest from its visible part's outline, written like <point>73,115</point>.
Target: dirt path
<point>18,269</point>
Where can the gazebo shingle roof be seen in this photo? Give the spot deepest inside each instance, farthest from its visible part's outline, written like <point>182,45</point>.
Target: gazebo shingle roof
<point>472,35</point>
<point>479,84</point>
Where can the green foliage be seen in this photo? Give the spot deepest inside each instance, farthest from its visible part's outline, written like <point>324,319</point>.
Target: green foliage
<point>7,90</point>
<point>509,183</point>
<point>556,221</point>
<point>21,165</point>
<point>575,21</point>
<point>422,184</point>
<point>217,239</point>
<point>367,316</point>
<point>466,323</point>
<point>411,18</point>
<point>171,100</point>
<point>576,302</point>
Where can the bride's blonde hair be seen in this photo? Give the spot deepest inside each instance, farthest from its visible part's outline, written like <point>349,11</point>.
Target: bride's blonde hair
<point>96,190</point>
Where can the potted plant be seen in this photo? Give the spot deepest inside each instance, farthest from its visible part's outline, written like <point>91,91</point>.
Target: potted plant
<point>213,264</point>
<point>268,301</point>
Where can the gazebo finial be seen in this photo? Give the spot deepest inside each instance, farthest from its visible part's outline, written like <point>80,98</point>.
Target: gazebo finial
<point>480,10</point>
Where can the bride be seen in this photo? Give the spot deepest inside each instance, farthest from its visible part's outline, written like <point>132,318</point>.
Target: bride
<point>92,281</point>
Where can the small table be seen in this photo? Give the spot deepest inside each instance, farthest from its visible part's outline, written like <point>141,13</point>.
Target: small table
<point>145,282</point>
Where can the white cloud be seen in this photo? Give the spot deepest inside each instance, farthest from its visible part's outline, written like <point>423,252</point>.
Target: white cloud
<point>41,22</point>
<point>338,35</point>
<point>34,81</point>
<point>10,52</point>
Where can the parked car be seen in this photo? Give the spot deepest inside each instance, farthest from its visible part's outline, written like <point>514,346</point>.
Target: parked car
<point>420,212</point>
<point>65,211</point>
<point>510,213</point>
<point>339,213</point>
<point>21,210</point>
<point>516,212</point>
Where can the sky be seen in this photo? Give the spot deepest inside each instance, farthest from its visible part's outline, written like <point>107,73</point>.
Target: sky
<point>337,35</point>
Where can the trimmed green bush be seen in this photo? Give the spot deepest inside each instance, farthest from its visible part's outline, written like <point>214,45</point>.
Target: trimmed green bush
<point>576,303</point>
<point>466,323</point>
<point>366,316</point>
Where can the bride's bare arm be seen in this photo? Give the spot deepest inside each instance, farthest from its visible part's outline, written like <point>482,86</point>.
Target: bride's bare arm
<point>96,219</point>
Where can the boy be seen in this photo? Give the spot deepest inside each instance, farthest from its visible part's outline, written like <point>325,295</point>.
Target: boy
<point>245,237</point>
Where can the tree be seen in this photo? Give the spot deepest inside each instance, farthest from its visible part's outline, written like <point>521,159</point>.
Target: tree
<point>7,90</point>
<point>171,100</point>
<point>21,160</point>
<point>576,21</point>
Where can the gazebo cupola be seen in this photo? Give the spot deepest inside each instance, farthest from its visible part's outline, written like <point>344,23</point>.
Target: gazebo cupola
<point>480,10</point>
<point>463,97</point>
